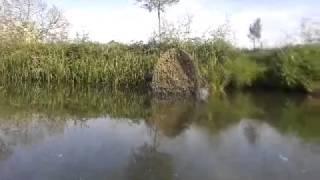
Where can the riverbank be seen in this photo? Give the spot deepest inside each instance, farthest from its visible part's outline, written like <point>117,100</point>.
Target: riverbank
<point>122,66</point>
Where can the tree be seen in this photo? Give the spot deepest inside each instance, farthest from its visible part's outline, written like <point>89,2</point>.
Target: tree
<point>310,31</point>
<point>255,32</point>
<point>173,32</point>
<point>32,20</point>
<point>159,6</point>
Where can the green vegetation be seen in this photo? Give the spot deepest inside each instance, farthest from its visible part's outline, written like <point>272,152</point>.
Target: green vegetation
<point>290,68</point>
<point>112,65</point>
<point>294,68</point>
<point>127,66</point>
<point>35,49</point>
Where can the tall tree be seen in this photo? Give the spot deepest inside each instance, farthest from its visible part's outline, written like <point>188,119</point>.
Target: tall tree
<point>310,31</point>
<point>32,19</point>
<point>159,6</point>
<point>255,32</point>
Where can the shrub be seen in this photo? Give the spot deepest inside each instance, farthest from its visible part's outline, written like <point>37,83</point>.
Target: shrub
<point>244,72</point>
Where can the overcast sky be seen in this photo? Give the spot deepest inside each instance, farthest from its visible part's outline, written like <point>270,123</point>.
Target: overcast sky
<point>125,21</point>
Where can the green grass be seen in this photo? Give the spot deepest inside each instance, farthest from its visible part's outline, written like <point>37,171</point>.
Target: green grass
<point>221,65</point>
<point>112,65</point>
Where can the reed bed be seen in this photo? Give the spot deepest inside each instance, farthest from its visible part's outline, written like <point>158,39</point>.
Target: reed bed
<point>113,65</point>
<point>221,65</point>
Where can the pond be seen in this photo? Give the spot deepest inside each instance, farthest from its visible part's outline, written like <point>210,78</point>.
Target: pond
<point>94,134</point>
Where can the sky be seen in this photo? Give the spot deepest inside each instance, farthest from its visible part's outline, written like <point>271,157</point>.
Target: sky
<point>125,21</point>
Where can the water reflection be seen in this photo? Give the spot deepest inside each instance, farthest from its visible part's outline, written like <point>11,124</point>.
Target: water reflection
<point>147,162</point>
<point>171,118</point>
<point>250,131</point>
<point>95,134</point>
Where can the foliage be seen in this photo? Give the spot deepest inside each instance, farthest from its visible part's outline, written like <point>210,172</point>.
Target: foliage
<point>176,32</point>
<point>159,6</point>
<point>31,21</point>
<point>244,72</point>
<point>291,68</point>
<point>114,65</point>
<point>255,32</point>
<point>310,31</point>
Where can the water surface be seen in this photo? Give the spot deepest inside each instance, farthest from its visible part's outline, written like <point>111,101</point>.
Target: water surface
<point>73,134</point>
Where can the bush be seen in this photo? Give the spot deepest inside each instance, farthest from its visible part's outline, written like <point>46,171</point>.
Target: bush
<point>244,72</point>
<point>291,68</point>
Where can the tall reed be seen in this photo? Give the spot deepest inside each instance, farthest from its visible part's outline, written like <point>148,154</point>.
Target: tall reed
<point>221,65</point>
<point>114,64</point>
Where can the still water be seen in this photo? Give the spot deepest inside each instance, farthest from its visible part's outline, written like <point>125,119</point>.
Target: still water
<point>72,134</point>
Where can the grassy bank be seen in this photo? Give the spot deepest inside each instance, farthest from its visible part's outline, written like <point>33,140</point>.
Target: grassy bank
<point>128,66</point>
<point>113,65</point>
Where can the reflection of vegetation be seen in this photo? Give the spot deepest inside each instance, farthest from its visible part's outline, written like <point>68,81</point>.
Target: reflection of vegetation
<point>5,150</point>
<point>29,114</point>
<point>20,107</point>
<point>292,115</point>
<point>220,113</point>
<point>300,119</point>
<point>251,133</point>
<point>66,103</point>
<point>171,118</point>
<point>148,163</point>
